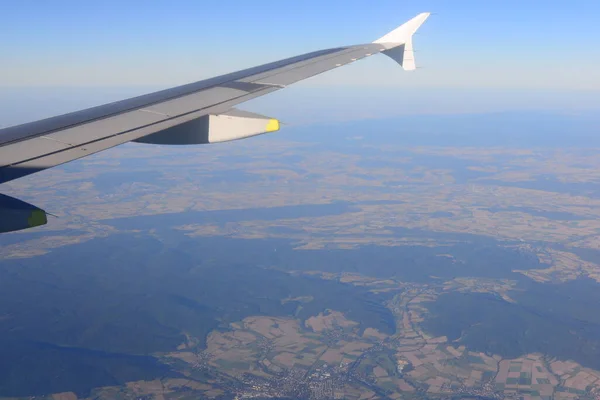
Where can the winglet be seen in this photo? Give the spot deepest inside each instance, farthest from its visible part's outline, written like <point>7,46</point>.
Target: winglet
<point>399,42</point>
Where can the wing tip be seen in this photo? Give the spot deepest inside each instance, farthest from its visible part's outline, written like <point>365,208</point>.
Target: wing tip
<point>404,32</point>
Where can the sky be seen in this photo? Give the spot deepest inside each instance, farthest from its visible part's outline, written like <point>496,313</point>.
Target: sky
<point>473,55</point>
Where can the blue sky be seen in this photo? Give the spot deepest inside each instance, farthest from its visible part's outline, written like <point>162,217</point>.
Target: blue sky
<point>469,48</point>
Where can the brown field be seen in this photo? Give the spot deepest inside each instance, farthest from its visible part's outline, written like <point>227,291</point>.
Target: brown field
<point>186,356</point>
<point>332,320</point>
<point>285,359</point>
<point>64,396</point>
<point>332,356</point>
<point>374,333</point>
<point>353,348</point>
<point>404,386</point>
<point>380,372</point>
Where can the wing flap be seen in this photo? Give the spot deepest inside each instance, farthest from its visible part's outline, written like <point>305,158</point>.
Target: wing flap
<point>19,152</point>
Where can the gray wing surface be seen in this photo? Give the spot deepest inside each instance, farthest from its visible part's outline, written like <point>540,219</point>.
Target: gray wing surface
<point>34,146</point>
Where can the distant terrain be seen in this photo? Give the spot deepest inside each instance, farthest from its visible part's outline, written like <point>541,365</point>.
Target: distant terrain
<point>416,257</point>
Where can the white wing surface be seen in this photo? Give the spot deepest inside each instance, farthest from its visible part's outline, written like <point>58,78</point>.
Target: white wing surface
<point>196,113</point>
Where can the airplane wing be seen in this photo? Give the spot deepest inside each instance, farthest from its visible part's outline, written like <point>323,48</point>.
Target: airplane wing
<point>197,113</point>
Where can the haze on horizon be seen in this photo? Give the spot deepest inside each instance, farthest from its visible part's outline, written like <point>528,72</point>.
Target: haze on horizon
<point>474,57</point>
